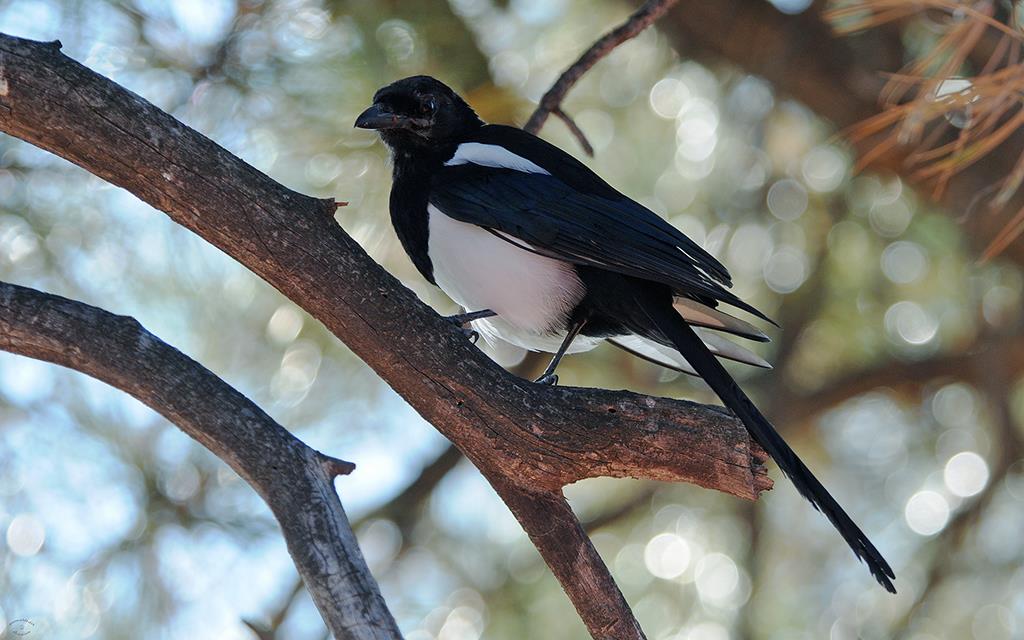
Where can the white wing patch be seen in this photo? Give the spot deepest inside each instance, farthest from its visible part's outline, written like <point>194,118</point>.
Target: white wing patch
<point>492,155</point>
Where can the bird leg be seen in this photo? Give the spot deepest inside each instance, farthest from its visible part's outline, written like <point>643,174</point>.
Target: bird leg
<point>549,377</point>
<point>462,319</point>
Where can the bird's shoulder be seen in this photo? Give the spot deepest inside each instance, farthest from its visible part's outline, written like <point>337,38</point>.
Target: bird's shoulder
<point>506,147</point>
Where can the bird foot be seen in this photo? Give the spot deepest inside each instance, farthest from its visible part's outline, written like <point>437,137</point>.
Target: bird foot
<point>547,378</point>
<point>460,322</point>
<point>470,334</point>
<point>462,319</point>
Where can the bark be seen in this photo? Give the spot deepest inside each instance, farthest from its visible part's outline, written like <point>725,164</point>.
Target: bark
<point>529,440</point>
<point>297,482</point>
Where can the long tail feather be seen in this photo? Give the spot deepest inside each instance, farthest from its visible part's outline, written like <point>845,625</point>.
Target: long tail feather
<point>701,315</point>
<point>667,355</point>
<point>668,322</point>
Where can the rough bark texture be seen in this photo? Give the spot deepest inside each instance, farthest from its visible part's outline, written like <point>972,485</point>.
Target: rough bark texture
<point>567,549</point>
<point>840,79</point>
<point>529,440</point>
<point>294,480</point>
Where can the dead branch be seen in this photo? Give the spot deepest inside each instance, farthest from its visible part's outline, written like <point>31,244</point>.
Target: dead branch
<point>292,478</point>
<point>529,440</point>
<point>551,102</point>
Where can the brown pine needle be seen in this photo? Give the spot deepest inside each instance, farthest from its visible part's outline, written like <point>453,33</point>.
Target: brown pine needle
<point>1009,233</point>
<point>921,103</point>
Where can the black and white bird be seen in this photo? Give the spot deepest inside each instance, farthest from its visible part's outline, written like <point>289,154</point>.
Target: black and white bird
<point>544,254</point>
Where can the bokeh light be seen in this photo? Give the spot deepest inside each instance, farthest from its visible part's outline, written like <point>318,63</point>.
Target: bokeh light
<point>906,321</point>
<point>667,556</point>
<point>787,199</point>
<point>926,512</point>
<point>904,262</point>
<point>717,578</point>
<point>966,474</point>
<point>824,169</point>
<point>25,535</point>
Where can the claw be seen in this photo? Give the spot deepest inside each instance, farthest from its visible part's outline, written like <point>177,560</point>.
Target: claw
<point>548,378</point>
<point>463,319</point>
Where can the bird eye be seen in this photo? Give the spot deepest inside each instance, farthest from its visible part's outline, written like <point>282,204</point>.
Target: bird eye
<point>427,106</point>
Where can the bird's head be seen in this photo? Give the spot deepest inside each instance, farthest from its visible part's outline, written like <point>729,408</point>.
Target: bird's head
<point>419,112</point>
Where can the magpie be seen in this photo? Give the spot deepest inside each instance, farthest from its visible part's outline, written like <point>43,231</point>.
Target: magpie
<point>541,252</point>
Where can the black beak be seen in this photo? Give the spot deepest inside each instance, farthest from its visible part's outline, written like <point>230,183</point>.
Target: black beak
<point>376,117</point>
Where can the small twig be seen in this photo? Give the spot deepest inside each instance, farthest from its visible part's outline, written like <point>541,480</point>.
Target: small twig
<point>552,100</point>
<point>335,466</point>
<point>269,631</point>
<point>339,204</point>
<point>260,631</point>
<point>575,129</point>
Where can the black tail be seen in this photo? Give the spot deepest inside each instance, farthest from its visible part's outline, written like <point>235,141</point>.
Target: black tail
<point>667,322</point>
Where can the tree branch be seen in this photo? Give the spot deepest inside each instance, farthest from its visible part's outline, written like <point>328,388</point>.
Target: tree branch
<point>404,510</point>
<point>294,480</point>
<point>572,557</point>
<point>551,102</point>
<point>906,378</point>
<point>527,439</point>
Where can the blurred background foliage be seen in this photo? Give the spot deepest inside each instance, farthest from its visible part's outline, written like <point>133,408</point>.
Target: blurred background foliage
<point>897,365</point>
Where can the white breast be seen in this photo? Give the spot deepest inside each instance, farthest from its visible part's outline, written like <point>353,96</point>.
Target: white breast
<point>531,294</point>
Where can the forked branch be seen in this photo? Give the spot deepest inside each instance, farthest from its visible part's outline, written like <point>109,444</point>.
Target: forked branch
<point>294,480</point>
<point>528,440</point>
<point>551,102</point>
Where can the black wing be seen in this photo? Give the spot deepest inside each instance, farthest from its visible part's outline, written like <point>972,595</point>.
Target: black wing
<point>575,216</point>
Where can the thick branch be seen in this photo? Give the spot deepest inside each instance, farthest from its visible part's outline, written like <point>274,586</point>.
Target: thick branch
<point>553,436</point>
<point>404,510</point>
<point>564,545</point>
<point>294,480</point>
<point>530,437</point>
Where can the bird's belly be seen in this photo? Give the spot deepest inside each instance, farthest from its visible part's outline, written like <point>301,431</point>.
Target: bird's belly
<point>496,328</point>
<point>532,294</point>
